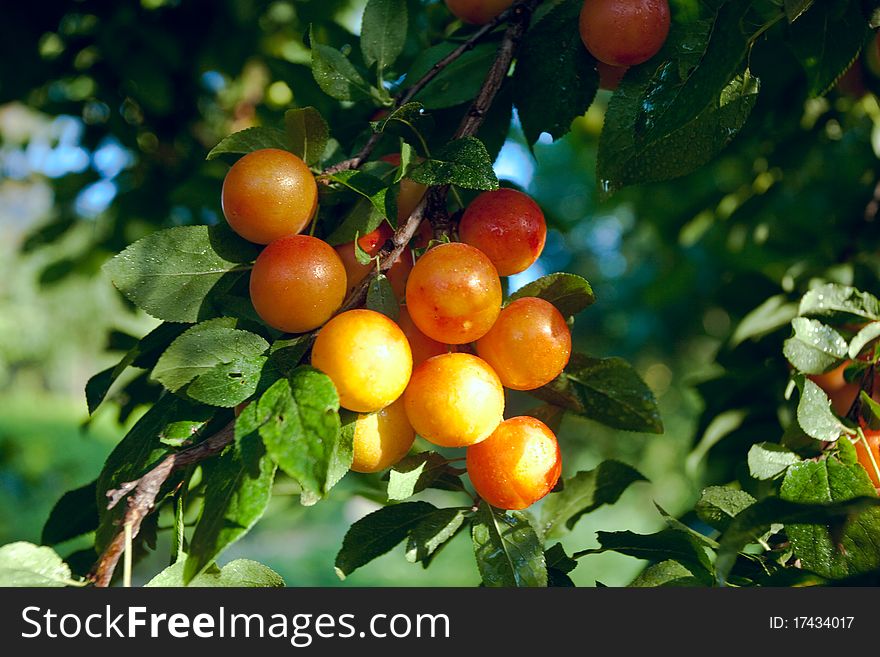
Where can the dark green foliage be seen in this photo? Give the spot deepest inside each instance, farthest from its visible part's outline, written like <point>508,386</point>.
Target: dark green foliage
<point>299,423</point>
<point>238,489</point>
<point>377,533</point>
<point>381,297</point>
<point>507,549</point>
<point>586,492</point>
<point>73,515</point>
<point>568,292</point>
<point>179,274</point>
<point>463,162</point>
<point>556,78</point>
<point>839,548</point>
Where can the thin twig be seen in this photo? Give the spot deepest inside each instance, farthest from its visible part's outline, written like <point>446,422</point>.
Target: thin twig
<point>520,17</point>
<point>144,492</point>
<point>128,549</point>
<point>433,204</point>
<point>410,92</point>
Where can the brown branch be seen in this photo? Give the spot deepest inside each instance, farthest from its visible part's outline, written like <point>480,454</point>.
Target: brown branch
<point>433,204</point>
<point>520,16</point>
<point>513,14</point>
<point>144,491</point>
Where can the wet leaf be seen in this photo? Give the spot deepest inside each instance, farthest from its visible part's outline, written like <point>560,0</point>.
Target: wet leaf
<point>507,549</point>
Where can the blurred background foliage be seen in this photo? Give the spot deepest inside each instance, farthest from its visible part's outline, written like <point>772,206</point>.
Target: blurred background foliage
<point>108,109</point>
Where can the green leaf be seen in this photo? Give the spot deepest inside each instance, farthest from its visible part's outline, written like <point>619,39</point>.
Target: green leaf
<point>773,314</point>
<point>336,75</point>
<point>667,544</point>
<point>433,532</point>
<point>758,519</point>
<point>301,427</point>
<point>363,218</point>
<point>559,393</point>
<point>307,133</point>
<point>507,549</point>
<point>362,257</point>
<point>839,303</point>
<point>228,384</point>
<point>342,454</point>
<point>143,354</point>
<point>559,565</point>
<point>383,32</point>
<point>815,347</point>
<point>665,573</point>
<point>870,410</point>
<point>241,573</point>
<point>75,514</point>
<point>613,393</point>
<point>25,564</point>
<point>794,8</point>
<point>863,338</point>
<point>718,505</point>
<point>855,371</point>
<point>215,362</point>
<point>826,40</point>
<point>815,416</point>
<point>676,153</point>
<point>675,112</point>
<point>585,492</point>
<point>872,11</point>
<point>248,140</point>
<point>457,83</point>
<point>370,187</point>
<point>175,274</point>
<point>846,452</point>
<point>416,472</point>
<point>568,292</point>
<point>286,354</point>
<point>237,491</point>
<point>555,557</point>
<point>833,550</point>
<point>407,114</point>
<point>769,460</point>
<point>674,523</point>
<point>553,63</point>
<point>381,297</point>
<point>407,159</point>
<point>377,533</point>
<point>463,162</point>
<point>672,103</point>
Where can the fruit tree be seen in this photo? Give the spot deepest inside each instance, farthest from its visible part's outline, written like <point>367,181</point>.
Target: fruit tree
<point>358,311</point>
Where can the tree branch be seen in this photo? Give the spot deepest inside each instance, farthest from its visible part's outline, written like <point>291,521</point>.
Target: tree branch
<point>514,14</point>
<point>520,16</point>
<point>142,493</point>
<point>433,204</point>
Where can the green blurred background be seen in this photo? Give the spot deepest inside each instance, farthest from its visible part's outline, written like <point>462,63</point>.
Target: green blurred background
<point>108,109</point>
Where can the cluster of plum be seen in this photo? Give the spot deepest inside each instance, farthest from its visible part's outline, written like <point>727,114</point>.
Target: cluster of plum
<point>618,33</point>
<point>440,370</point>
